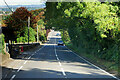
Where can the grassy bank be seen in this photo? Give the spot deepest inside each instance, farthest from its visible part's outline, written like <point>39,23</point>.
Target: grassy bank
<point>111,67</point>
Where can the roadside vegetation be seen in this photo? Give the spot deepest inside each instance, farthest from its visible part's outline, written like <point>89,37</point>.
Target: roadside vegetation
<point>91,29</point>
<point>17,26</point>
<point>2,43</point>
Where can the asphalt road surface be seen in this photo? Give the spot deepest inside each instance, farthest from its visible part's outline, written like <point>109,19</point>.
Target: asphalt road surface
<point>53,62</point>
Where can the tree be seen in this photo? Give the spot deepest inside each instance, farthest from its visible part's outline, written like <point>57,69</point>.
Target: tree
<point>39,17</point>
<point>17,21</point>
<point>91,26</point>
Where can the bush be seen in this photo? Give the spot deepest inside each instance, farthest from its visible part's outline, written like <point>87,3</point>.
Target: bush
<point>18,40</point>
<point>2,43</point>
<point>42,38</point>
<point>21,39</point>
<point>31,34</point>
<point>24,38</point>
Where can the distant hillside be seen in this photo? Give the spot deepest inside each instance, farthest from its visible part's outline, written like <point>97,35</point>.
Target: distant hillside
<point>13,7</point>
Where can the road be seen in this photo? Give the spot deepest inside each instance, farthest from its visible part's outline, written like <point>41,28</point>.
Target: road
<point>52,62</point>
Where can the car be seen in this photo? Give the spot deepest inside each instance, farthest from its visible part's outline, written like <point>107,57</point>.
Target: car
<point>57,34</point>
<point>60,43</point>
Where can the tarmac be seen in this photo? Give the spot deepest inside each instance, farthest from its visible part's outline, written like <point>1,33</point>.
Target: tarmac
<point>7,67</point>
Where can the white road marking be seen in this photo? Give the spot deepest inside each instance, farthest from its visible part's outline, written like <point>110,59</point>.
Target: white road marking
<point>32,54</point>
<point>19,68</point>
<point>42,47</point>
<point>56,52</point>
<point>5,75</point>
<point>59,63</point>
<point>29,57</point>
<point>56,55</point>
<point>63,72</point>
<point>12,77</point>
<point>57,58</point>
<point>25,62</point>
<point>65,76</point>
<point>94,65</point>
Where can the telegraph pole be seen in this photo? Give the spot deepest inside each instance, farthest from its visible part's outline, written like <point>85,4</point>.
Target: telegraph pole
<point>28,28</point>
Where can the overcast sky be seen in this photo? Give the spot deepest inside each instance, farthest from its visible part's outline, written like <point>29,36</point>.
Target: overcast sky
<point>22,2</point>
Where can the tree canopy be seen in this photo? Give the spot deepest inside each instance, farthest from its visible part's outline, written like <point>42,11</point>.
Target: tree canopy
<point>90,25</point>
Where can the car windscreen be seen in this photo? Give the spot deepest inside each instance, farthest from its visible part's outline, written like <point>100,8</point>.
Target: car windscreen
<point>60,41</point>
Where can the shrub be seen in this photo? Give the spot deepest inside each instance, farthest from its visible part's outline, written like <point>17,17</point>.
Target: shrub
<point>31,34</point>
<point>2,43</point>
<point>24,38</point>
<point>42,37</point>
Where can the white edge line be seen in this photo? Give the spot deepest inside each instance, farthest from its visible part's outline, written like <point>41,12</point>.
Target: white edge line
<point>59,63</point>
<point>32,54</point>
<point>5,75</point>
<point>56,55</point>
<point>19,68</point>
<point>93,64</point>
<point>57,58</point>
<point>12,77</point>
<point>25,62</point>
<point>22,66</point>
<point>29,57</point>
<point>36,52</point>
<point>42,47</point>
<point>63,72</point>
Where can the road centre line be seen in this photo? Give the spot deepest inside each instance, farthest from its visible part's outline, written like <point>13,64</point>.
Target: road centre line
<point>63,72</point>
<point>93,64</point>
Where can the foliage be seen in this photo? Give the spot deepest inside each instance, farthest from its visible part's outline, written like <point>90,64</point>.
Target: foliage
<point>24,38</point>
<point>16,22</point>
<point>92,26</point>
<point>39,16</point>
<point>2,43</point>
<point>65,36</point>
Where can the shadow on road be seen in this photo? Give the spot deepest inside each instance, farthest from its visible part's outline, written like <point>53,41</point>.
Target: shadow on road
<point>35,74</point>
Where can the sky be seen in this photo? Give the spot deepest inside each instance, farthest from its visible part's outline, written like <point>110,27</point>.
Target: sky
<point>22,2</point>
<point>37,2</point>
